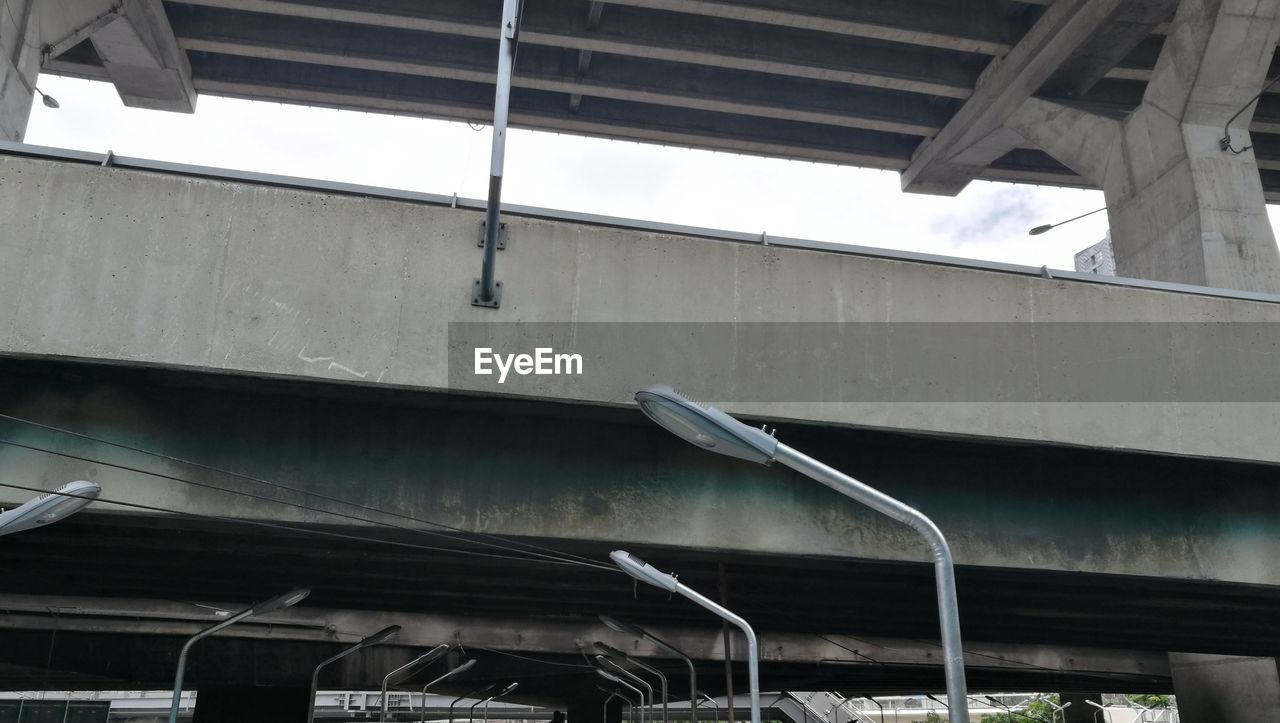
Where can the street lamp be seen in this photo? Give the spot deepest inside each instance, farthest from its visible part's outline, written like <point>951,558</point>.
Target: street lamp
<point>613,667</point>
<point>472,715</point>
<point>645,572</point>
<point>462,668</point>
<point>477,691</point>
<point>636,631</point>
<point>49,507</point>
<point>404,670</point>
<point>618,656</point>
<point>710,428</point>
<point>381,636</point>
<point>1050,226</point>
<point>631,713</point>
<point>619,681</point>
<point>267,606</point>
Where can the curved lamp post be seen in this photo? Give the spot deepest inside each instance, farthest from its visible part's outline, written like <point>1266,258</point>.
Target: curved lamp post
<point>620,657</point>
<point>613,667</point>
<point>713,703</point>
<point>381,636</point>
<point>267,606</point>
<point>631,714</point>
<point>636,631</point>
<point>619,681</point>
<point>712,429</point>
<point>477,691</point>
<point>404,670</point>
<point>463,667</point>
<point>644,572</point>
<point>49,507</point>
<point>472,716</point>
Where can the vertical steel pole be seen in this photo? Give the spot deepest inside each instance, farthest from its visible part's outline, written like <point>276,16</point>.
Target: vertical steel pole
<point>944,568</point>
<point>486,293</point>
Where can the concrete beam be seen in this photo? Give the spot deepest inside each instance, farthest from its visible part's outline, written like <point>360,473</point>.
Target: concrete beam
<point>976,135</point>
<point>786,53</point>
<point>305,624</point>
<point>142,57</point>
<point>699,90</point>
<point>564,270</point>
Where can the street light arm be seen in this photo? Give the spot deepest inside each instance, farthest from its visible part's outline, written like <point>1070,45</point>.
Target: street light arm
<point>753,645</point>
<point>693,671</point>
<point>944,570</point>
<point>186,648</point>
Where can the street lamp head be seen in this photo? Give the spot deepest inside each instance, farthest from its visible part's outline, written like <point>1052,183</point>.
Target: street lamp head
<point>705,426</point>
<point>612,652</point>
<point>618,626</point>
<point>279,602</point>
<point>463,667</point>
<point>1040,229</point>
<point>507,690</point>
<point>643,571</point>
<point>381,636</point>
<point>608,676</point>
<point>49,507</point>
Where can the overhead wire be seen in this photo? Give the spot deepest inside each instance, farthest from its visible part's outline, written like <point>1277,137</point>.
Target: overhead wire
<point>278,525</point>
<point>533,549</point>
<point>526,554</point>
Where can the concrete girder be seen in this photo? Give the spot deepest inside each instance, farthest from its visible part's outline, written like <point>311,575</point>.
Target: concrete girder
<point>158,617</point>
<point>977,134</point>
<point>836,60</point>
<point>856,108</point>
<point>1182,208</point>
<point>143,59</point>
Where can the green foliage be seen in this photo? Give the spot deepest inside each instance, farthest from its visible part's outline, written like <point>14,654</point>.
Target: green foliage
<point>932,717</point>
<point>1039,710</point>
<point>1150,700</point>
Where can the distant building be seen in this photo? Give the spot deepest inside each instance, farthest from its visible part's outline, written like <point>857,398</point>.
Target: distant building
<point>1098,258</point>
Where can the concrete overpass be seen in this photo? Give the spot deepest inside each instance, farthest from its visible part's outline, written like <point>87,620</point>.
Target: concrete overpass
<point>295,339</point>
<point>1149,100</point>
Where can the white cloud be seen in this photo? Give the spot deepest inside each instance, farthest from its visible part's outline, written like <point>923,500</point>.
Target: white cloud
<point>617,178</point>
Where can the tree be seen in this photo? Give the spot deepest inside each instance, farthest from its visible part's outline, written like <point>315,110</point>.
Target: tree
<point>1037,710</point>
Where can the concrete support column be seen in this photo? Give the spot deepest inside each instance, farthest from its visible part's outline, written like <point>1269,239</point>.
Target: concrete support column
<point>1181,207</point>
<point>1225,688</point>
<point>593,710</point>
<point>245,704</point>
<point>19,66</point>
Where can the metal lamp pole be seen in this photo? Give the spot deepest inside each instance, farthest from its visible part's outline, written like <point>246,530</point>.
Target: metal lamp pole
<point>645,572</point>
<point>628,629</point>
<point>381,636</point>
<point>616,669</point>
<point>619,656</point>
<point>712,429</point>
<point>423,659</point>
<point>262,608</point>
<point>462,668</point>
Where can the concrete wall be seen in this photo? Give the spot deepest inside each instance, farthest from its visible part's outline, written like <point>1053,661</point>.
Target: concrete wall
<point>138,267</point>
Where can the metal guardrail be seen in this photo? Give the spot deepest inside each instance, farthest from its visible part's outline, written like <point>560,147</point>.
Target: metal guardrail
<point>352,189</point>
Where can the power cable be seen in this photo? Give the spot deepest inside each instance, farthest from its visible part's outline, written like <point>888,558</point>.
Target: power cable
<point>530,556</point>
<point>328,498</point>
<point>279,526</point>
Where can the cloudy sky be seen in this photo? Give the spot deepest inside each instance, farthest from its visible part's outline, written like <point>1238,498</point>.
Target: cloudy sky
<point>676,185</point>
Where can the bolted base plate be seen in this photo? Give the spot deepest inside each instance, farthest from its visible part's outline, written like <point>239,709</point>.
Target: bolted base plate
<point>477,295</point>
<point>502,235</point>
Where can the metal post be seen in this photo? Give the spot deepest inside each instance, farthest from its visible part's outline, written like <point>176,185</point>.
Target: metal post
<point>186,648</point>
<point>753,645</point>
<point>616,669</point>
<point>714,704</point>
<point>944,568</point>
<point>486,291</point>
